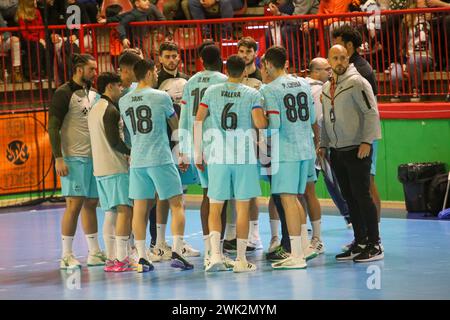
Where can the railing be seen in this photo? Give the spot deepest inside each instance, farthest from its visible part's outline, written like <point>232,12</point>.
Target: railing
<point>386,48</point>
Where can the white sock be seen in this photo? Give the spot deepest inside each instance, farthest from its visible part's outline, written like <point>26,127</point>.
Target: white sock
<point>160,233</point>
<point>316,228</point>
<point>241,249</point>
<point>140,246</point>
<point>122,247</point>
<point>92,240</point>
<point>178,244</point>
<point>253,231</point>
<point>131,243</point>
<point>304,236</point>
<point>207,244</point>
<point>230,231</point>
<point>214,239</point>
<point>274,227</point>
<point>296,246</point>
<point>66,245</point>
<point>109,231</point>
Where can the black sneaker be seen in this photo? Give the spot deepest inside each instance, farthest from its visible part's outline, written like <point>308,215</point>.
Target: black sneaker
<point>354,250</point>
<point>230,245</point>
<point>348,222</point>
<point>144,266</point>
<point>372,252</point>
<point>251,249</point>
<point>278,254</point>
<point>180,262</point>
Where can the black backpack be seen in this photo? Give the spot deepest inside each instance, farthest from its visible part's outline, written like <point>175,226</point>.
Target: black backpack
<point>436,194</point>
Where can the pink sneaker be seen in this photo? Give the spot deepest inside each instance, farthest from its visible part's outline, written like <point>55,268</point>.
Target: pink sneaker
<point>109,266</point>
<point>123,266</point>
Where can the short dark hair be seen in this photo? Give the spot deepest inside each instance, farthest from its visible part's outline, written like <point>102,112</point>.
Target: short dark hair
<point>80,60</point>
<point>168,46</point>
<point>277,56</point>
<point>248,42</point>
<point>211,57</point>
<point>235,66</point>
<point>113,10</point>
<point>141,68</point>
<point>204,45</point>
<point>106,78</point>
<point>128,59</point>
<point>348,34</point>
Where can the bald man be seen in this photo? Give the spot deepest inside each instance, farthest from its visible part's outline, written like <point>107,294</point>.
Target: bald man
<point>350,125</point>
<point>319,73</point>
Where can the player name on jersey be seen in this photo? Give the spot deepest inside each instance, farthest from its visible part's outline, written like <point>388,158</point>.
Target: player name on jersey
<point>203,79</point>
<point>292,84</point>
<point>136,99</point>
<point>231,94</point>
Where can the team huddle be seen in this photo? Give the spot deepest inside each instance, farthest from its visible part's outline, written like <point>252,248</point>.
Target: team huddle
<point>136,148</point>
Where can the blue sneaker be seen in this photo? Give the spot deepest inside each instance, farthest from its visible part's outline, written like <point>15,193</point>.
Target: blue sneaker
<point>144,266</point>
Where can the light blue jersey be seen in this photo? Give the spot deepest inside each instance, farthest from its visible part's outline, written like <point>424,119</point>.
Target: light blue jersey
<point>290,106</point>
<point>192,94</point>
<point>230,129</point>
<point>145,113</point>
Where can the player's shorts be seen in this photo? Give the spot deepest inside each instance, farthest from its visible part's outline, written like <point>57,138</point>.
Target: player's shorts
<point>190,176</point>
<point>373,167</point>
<point>312,173</point>
<point>164,179</point>
<point>80,182</point>
<point>113,191</point>
<point>238,181</point>
<point>291,177</point>
<point>203,176</point>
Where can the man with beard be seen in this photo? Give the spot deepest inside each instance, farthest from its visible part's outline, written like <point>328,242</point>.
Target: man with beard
<point>172,81</point>
<point>71,146</point>
<point>351,124</point>
<point>247,50</point>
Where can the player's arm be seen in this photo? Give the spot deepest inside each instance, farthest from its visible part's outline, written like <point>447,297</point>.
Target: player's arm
<point>365,99</point>
<point>258,114</point>
<point>173,121</point>
<point>59,106</point>
<point>184,130</point>
<point>111,120</point>
<point>202,113</point>
<point>313,117</point>
<point>271,105</point>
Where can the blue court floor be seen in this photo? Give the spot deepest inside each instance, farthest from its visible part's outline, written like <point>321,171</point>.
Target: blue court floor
<point>416,266</point>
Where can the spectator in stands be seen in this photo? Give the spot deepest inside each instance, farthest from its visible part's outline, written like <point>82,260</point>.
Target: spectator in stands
<point>247,50</point>
<point>443,23</point>
<point>143,10</point>
<point>177,10</point>
<point>350,38</point>
<point>292,39</point>
<point>8,42</point>
<point>115,45</point>
<point>8,9</point>
<point>203,9</point>
<point>328,7</point>
<point>416,49</point>
<point>33,41</point>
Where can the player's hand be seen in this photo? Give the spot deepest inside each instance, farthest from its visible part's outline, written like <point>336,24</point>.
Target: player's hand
<point>183,162</point>
<point>126,43</point>
<point>200,162</point>
<point>364,150</point>
<point>61,168</point>
<point>274,9</point>
<point>321,152</point>
<point>42,41</point>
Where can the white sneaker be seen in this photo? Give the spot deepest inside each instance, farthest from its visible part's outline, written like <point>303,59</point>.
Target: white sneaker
<point>228,262</point>
<point>274,244</point>
<point>164,251</point>
<point>206,262</point>
<point>215,264</point>
<point>257,244</point>
<point>188,251</point>
<point>317,245</point>
<point>151,257</point>
<point>309,253</point>
<point>243,266</point>
<point>290,263</point>
<point>97,259</point>
<point>69,262</point>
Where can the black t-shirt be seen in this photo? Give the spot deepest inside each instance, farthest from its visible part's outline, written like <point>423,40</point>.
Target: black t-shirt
<point>256,75</point>
<point>365,69</point>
